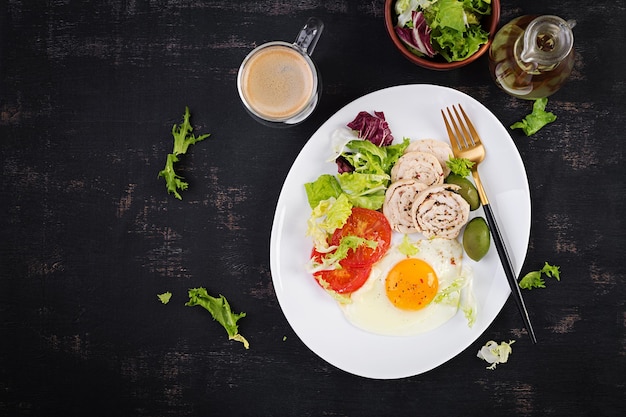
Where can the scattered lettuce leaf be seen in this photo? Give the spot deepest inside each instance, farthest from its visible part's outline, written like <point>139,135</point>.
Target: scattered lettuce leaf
<point>460,166</point>
<point>183,137</point>
<point>495,353</point>
<point>552,271</point>
<point>220,310</point>
<point>165,297</point>
<point>536,120</point>
<point>534,279</point>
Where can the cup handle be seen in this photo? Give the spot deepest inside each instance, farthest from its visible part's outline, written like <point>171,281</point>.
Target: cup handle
<point>309,35</point>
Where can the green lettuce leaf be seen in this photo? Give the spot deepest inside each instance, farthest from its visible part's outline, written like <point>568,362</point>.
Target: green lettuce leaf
<point>457,46</point>
<point>220,310</point>
<point>534,279</point>
<point>327,216</point>
<point>365,186</point>
<point>460,166</point>
<point>183,137</point>
<point>456,30</point>
<point>446,14</point>
<point>539,117</point>
<point>331,260</point>
<point>369,158</point>
<point>407,247</point>
<point>364,190</point>
<point>325,187</point>
<point>165,297</point>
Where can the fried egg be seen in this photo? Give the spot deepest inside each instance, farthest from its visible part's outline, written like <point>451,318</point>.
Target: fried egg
<point>407,295</point>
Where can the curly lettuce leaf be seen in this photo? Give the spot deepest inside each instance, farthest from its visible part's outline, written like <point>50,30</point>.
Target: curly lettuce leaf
<point>165,297</point>
<point>331,260</point>
<point>495,353</point>
<point>460,293</point>
<point>536,120</point>
<point>327,216</point>
<point>450,28</point>
<point>367,178</point>
<point>220,310</point>
<point>552,271</point>
<point>477,7</point>
<point>366,157</point>
<point>173,181</point>
<point>534,279</point>
<point>183,137</point>
<point>456,45</point>
<point>460,166</point>
<point>446,14</point>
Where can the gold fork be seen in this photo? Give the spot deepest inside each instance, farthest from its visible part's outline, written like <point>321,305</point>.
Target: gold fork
<point>466,143</point>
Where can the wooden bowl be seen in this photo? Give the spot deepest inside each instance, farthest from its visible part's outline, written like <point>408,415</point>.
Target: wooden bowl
<point>490,23</point>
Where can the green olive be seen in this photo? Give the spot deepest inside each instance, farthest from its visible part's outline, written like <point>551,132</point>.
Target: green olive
<point>467,191</point>
<point>476,238</point>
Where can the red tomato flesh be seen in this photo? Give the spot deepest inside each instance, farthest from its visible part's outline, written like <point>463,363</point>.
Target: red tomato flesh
<point>356,267</point>
<point>367,224</point>
<point>345,280</point>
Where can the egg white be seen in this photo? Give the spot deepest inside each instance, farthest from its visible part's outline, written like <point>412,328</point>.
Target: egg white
<point>372,311</point>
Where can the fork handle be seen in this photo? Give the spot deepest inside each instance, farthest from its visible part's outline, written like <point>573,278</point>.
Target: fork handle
<point>508,269</point>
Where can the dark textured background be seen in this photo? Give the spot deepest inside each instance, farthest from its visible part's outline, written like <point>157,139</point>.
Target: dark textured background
<point>89,91</point>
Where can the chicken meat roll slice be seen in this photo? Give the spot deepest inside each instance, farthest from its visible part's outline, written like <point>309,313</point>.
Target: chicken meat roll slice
<point>399,199</point>
<point>440,212</point>
<point>422,166</point>
<point>441,150</point>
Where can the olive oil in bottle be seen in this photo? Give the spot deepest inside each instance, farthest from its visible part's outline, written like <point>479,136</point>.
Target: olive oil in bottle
<point>532,56</point>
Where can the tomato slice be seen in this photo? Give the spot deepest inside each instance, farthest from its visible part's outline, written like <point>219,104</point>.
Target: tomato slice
<point>367,224</point>
<point>345,280</point>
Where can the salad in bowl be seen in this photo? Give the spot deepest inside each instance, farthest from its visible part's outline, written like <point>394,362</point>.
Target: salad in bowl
<point>442,34</point>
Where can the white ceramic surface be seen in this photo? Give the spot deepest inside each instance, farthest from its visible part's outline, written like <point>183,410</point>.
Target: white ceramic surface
<point>412,111</point>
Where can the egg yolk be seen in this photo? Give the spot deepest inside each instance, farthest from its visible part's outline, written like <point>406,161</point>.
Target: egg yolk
<point>411,284</point>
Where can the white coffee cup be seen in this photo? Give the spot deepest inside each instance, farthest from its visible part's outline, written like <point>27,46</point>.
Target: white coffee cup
<point>278,82</point>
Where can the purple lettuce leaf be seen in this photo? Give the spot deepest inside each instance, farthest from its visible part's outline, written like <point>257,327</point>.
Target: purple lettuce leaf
<point>417,37</point>
<point>370,127</point>
<point>373,128</point>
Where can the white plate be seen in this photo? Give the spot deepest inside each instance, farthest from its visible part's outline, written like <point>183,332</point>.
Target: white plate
<point>412,111</point>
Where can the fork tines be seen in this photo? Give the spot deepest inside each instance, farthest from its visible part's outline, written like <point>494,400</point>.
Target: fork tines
<point>464,132</point>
